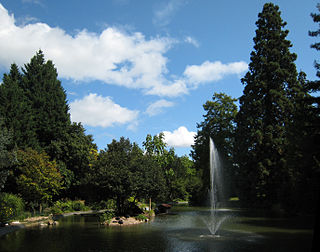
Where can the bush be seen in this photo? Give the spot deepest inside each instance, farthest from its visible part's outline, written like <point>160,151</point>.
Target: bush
<point>79,205</point>
<point>60,207</point>
<point>106,217</point>
<point>141,217</point>
<point>56,210</point>
<point>63,206</point>
<point>11,206</point>
<point>24,216</point>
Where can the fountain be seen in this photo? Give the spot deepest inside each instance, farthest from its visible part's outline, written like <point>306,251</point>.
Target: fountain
<point>216,190</point>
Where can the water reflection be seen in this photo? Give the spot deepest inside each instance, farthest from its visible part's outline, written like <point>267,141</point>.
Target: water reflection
<point>182,230</point>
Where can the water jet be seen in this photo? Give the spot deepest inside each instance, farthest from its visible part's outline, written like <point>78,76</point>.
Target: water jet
<point>216,218</point>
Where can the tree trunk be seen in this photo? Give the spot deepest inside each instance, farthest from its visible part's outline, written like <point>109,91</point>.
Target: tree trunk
<point>149,207</point>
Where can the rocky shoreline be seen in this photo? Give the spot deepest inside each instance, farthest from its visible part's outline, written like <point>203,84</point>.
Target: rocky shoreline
<point>123,221</point>
<point>29,222</point>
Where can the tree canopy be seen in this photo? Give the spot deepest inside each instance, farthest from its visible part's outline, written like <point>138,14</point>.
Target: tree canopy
<point>219,125</point>
<point>267,109</point>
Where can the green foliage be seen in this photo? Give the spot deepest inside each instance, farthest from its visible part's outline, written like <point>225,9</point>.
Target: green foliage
<point>305,137</point>
<point>55,209</point>
<point>76,153</point>
<point>267,108</point>
<point>11,206</point>
<point>106,217</point>
<point>149,181</point>
<point>123,172</point>
<point>15,108</point>
<point>313,87</point>
<point>110,204</point>
<point>39,179</point>
<point>7,155</point>
<point>65,206</point>
<point>48,99</point>
<point>141,217</point>
<point>218,124</point>
<point>174,173</point>
<point>79,205</point>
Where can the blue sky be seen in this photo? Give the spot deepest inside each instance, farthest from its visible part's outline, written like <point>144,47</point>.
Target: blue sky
<point>137,67</point>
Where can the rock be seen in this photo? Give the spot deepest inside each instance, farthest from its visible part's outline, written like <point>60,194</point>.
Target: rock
<point>120,222</point>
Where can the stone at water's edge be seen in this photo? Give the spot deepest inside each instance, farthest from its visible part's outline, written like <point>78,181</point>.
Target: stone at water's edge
<point>52,222</point>
<point>124,221</point>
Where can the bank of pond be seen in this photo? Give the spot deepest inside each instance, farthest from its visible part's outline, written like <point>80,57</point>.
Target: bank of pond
<point>181,229</point>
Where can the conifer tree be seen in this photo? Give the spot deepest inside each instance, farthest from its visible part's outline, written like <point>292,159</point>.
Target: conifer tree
<point>15,109</point>
<point>310,159</point>
<point>266,112</point>
<point>314,100</point>
<point>48,99</point>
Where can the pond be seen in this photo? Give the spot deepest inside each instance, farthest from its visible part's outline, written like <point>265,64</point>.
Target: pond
<point>181,230</point>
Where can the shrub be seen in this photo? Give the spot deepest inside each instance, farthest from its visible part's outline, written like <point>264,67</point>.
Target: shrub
<point>68,206</point>
<point>141,217</point>
<point>106,217</point>
<point>24,216</point>
<point>11,206</point>
<point>149,213</point>
<point>79,205</point>
<point>56,210</point>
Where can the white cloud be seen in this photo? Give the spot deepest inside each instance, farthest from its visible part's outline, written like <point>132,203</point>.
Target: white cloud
<point>164,14</point>
<point>191,41</point>
<point>180,137</point>
<point>157,107</point>
<point>113,56</point>
<point>94,110</point>
<point>213,71</point>
<point>176,88</point>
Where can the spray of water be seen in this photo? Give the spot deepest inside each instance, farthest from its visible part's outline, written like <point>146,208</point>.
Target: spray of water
<point>215,220</point>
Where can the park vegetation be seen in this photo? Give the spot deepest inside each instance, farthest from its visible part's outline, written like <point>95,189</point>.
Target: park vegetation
<point>48,162</point>
<point>269,144</point>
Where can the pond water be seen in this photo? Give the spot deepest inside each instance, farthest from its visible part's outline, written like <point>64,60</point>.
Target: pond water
<point>181,230</point>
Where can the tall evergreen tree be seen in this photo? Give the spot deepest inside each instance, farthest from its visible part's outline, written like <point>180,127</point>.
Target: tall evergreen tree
<point>266,112</point>
<point>15,109</point>
<point>310,174</point>
<point>48,99</point>
<point>314,100</point>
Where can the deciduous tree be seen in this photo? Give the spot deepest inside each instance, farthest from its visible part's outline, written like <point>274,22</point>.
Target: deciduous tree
<point>218,124</point>
<point>7,155</point>
<point>38,178</point>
